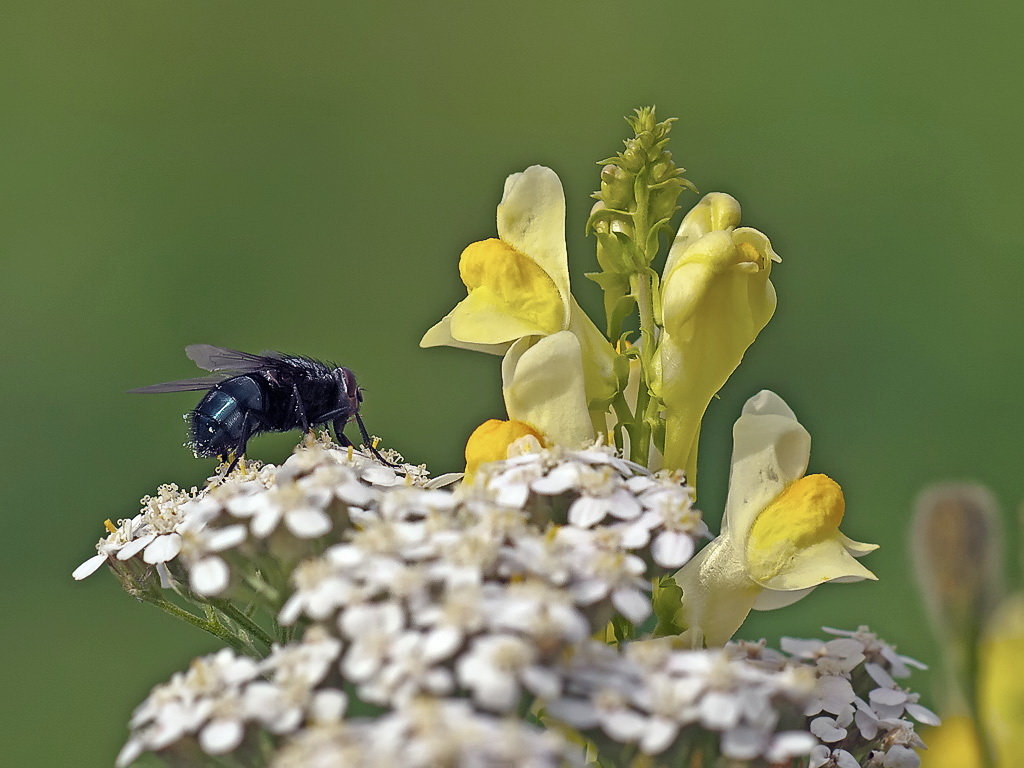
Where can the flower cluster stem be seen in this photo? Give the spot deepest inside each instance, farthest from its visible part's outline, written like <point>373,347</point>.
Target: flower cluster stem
<point>210,625</point>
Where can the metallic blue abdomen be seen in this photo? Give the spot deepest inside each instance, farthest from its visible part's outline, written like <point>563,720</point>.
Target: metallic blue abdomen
<point>218,424</point>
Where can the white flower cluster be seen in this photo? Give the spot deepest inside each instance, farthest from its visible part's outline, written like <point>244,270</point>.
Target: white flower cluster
<point>652,514</point>
<point>662,700</point>
<point>468,617</point>
<point>857,708</point>
<point>208,708</point>
<point>425,733</point>
<point>440,593</point>
<point>260,513</point>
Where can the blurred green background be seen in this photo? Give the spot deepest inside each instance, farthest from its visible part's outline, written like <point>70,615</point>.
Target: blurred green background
<point>303,176</point>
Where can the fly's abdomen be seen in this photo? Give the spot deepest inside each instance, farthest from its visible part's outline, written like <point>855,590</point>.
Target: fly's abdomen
<point>226,417</point>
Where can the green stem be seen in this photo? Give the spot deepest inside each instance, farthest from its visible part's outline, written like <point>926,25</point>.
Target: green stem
<point>244,621</point>
<point>214,627</point>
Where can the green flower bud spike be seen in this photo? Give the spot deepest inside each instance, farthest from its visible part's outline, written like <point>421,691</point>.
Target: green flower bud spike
<point>635,205</point>
<point>636,202</point>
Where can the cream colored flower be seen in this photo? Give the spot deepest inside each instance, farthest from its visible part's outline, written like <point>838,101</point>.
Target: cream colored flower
<point>518,298</point>
<point>716,298</point>
<point>780,534</point>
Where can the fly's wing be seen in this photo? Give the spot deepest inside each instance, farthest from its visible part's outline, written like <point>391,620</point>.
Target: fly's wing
<point>211,358</point>
<point>185,385</point>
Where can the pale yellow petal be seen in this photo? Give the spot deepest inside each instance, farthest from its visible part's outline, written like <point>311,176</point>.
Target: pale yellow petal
<point>821,562</point>
<point>770,600</point>
<point>717,593</point>
<point>481,318</point>
<point>440,335</point>
<point>857,548</point>
<point>598,359</point>
<point>531,219</point>
<point>770,450</point>
<point>542,381</point>
<point>714,211</point>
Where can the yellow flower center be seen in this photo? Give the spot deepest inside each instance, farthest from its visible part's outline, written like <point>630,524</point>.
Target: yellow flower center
<point>749,254</point>
<point>490,442</point>
<point>494,270</point>
<point>807,512</point>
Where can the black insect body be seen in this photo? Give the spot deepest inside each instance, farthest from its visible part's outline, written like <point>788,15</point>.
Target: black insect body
<point>271,392</point>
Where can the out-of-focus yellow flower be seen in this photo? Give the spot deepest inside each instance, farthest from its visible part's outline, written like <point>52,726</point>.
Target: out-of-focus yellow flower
<point>1001,682</point>
<point>954,744</point>
<point>716,297</point>
<point>780,533</point>
<point>491,440</point>
<point>518,291</point>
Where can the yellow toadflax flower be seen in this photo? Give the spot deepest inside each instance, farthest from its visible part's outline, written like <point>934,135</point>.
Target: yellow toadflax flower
<point>716,297</point>
<point>780,534</point>
<point>491,442</point>
<point>558,366</point>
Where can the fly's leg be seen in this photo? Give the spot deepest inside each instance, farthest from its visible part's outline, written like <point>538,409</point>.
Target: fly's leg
<point>240,448</point>
<point>247,432</point>
<point>369,443</point>
<point>339,433</point>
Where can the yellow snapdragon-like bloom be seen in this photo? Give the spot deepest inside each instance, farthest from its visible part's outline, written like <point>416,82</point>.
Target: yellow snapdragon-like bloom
<point>780,534</point>
<point>491,440</point>
<point>716,298</point>
<point>558,366</point>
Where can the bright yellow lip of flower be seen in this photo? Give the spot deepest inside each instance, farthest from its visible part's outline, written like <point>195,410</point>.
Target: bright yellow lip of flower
<point>491,440</point>
<point>806,514</point>
<point>510,296</point>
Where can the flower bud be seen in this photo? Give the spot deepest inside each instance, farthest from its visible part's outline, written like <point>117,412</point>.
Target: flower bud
<point>956,547</point>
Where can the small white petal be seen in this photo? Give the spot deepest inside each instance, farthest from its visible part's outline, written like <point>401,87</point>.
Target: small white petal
<point>879,675</point>
<point>129,753</point>
<point>221,736</point>
<point>923,714</point>
<point>719,711</point>
<point>887,697</point>
<point>632,604</point>
<point>789,744</point>
<point>844,759</point>
<point>587,511</point>
<point>825,729</point>
<point>132,548</point>
<point>659,735</point>
<point>328,706</point>
<point>743,743</point>
<point>901,757</point>
<point>210,576</point>
<point>672,549</point>
<point>308,522</point>
<point>163,548</point>
<point>88,568</point>
<point>624,725</point>
<point>226,538</point>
